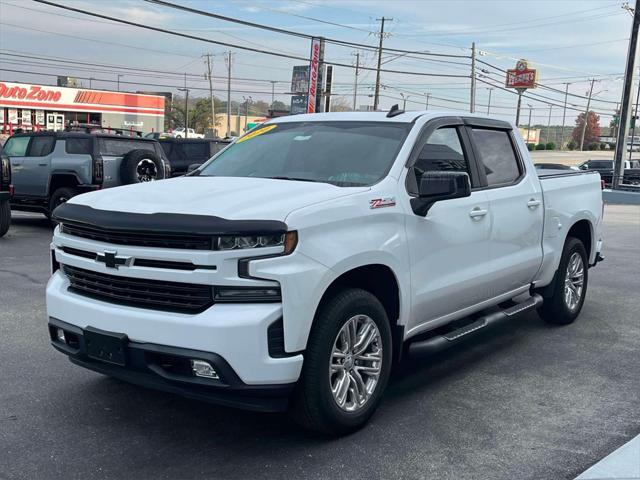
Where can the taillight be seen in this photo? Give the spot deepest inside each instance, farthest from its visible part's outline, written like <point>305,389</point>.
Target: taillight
<point>602,184</point>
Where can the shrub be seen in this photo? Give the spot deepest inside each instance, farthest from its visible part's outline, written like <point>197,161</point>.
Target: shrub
<point>550,146</point>
<point>540,146</point>
<point>603,146</point>
<point>571,145</point>
<point>531,146</point>
<point>593,146</point>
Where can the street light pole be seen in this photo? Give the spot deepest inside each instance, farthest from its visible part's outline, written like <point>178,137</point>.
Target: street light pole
<point>489,103</point>
<point>119,75</point>
<point>404,101</point>
<point>426,107</point>
<point>355,82</point>
<point>564,114</point>
<point>549,125</point>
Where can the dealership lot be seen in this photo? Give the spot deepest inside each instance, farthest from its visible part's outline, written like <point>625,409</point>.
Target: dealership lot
<point>525,400</point>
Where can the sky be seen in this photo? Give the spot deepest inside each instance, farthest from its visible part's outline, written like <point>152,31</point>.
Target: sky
<point>568,41</point>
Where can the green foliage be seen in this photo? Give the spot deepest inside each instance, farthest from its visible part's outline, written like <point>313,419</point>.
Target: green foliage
<point>531,146</point>
<point>540,146</point>
<point>593,146</point>
<point>603,146</point>
<point>550,146</point>
<point>572,145</point>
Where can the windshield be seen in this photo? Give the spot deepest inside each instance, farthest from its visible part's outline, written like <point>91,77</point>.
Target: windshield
<point>345,154</point>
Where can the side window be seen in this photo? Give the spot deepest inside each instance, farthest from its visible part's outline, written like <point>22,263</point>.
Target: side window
<point>497,157</point>
<point>443,152</point>
<point>78,145</point>
<point>16,146</point>
<point>41,146</point>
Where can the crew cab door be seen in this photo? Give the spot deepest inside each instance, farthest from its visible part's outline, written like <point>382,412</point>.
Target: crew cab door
<point>516,205</point>
<point>31,163</point>
<point>449,247</point>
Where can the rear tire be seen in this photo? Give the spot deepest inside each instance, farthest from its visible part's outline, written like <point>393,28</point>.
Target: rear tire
<point>5,218</point>
<point>564,304</point>
<point>338,392</point>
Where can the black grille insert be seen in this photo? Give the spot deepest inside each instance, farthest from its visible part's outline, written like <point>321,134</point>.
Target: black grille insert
<point>172,240</point>
<point>136,292</point>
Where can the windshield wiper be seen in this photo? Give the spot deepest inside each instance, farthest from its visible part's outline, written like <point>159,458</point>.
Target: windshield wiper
<point>295,179</point>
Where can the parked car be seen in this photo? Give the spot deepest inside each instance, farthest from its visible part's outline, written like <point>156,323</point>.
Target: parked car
<point>186,152</point>
<point>605,169</point>
<point>157,135</point>
<point>5,193</point>
<point>49,168</point>
<point>553,166</point>
<point>190,133</point>
<point>294,268</point>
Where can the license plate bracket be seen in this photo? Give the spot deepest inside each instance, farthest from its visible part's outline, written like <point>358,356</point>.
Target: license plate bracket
<point>109,347</point>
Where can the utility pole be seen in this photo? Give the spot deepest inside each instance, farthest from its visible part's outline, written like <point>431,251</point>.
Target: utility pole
<point>376,96</point>
<point>273,91</point>
<point>472,100</point>
<point>229,94</point>
<point>520,91</point>
<point>426,107</point>
<point>489,103</point>
<point>635,122</point>
<point>355,82</point>
<point>564,114</point>
<point>549,125</point>
<point>186,107</point>
<point>625,105</point>
<point>529,125</point>
<point>586,114</point>
<point>119,75</point>
<point>210,76</point>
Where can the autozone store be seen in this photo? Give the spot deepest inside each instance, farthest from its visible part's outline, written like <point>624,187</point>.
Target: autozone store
<point>42,107</point>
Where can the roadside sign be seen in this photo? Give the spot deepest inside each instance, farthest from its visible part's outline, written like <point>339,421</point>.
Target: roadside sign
<point>314,66</point>
<point>522,76</point>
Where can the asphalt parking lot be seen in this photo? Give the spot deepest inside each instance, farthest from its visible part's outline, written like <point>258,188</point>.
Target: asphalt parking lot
<point>523,401</point>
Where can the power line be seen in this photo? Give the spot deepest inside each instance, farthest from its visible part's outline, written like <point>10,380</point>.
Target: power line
<point>256,50</point>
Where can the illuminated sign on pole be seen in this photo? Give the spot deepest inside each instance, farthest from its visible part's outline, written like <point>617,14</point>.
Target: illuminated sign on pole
<point>314,67</point>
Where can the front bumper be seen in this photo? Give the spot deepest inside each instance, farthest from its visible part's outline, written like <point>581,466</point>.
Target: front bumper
<point>167,369</point>
<point>238,333</point>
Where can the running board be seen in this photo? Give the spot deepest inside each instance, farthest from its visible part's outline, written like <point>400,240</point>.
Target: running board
<point>441,342</point>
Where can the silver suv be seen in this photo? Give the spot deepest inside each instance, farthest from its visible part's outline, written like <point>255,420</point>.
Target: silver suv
<point>48,168</point>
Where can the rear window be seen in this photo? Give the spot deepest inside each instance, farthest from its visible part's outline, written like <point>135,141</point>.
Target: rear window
<point>78,146</point>
<point>497,156</point>
<point>16,146</point>
<point>118,147</point>
<point>600,164</point>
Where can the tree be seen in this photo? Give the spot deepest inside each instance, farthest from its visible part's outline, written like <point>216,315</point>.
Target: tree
<point>340,104</point>
<point>278,105</point>
<point>591,134</point>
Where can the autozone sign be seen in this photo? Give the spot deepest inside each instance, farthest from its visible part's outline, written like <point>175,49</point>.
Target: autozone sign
<point>313,75</point>
<point>41,97</point>
<point>29,92</point>
<point>522,76</point>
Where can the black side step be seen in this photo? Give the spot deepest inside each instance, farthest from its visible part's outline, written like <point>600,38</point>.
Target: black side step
<point>440,342</point>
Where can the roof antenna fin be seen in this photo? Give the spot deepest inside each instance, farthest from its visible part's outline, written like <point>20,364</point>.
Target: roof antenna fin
<point>394,111</point>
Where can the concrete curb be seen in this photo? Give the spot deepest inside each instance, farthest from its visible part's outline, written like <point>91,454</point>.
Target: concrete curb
<point>621,196</point>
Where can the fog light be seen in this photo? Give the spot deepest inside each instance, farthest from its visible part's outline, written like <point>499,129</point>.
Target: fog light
<point>201,368</point>
<point>60,335</point>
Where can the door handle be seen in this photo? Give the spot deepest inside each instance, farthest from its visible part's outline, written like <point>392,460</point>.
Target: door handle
<point>478,212</point>
<point>42,164</point>
<point>533,203</point>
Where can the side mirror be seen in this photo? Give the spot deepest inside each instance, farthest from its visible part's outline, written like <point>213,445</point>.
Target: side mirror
<point>437,186</point>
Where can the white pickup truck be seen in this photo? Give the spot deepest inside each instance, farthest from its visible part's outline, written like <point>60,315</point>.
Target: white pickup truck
<point>180,132</point>
<point>292,269</point>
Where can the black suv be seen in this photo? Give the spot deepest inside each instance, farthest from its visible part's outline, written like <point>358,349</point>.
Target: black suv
<point>184,152</point>
<point>48,168</point>
<point>5,193</point>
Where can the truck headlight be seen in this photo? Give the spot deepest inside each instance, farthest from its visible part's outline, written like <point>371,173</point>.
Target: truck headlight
<point>234,242</point>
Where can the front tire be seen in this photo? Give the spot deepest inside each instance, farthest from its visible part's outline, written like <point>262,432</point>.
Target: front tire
<point>346,366</point>
<point>60,196</point>
<point>570,285</point>
<point>5,218</point>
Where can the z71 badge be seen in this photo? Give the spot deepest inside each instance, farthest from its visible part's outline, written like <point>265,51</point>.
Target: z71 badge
<point>382,202</point>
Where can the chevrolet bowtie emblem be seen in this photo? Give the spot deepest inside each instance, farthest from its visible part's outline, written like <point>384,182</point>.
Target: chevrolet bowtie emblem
<point>111,260</point>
